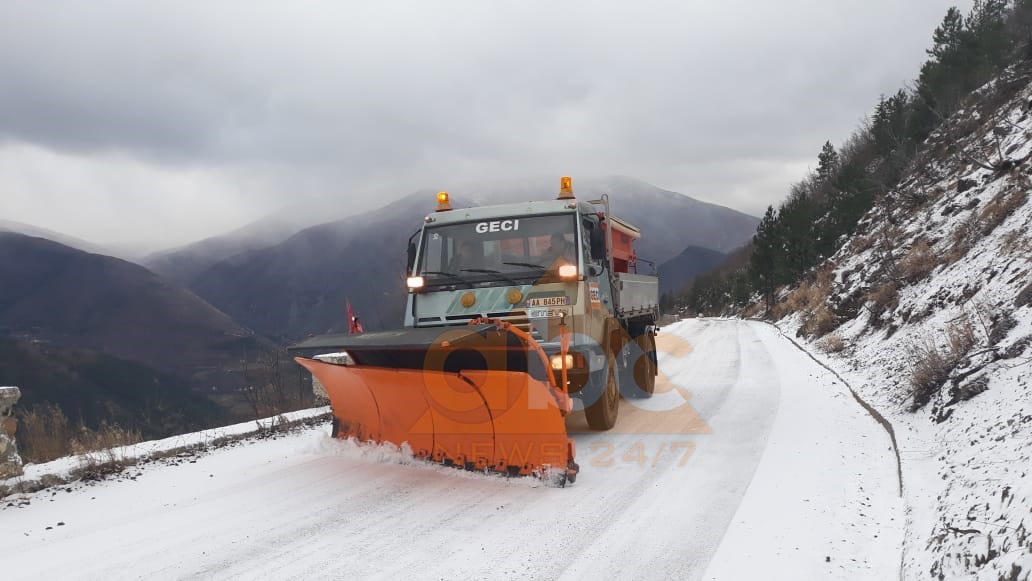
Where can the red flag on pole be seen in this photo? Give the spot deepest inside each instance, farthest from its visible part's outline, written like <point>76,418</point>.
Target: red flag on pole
<point>354,325</point>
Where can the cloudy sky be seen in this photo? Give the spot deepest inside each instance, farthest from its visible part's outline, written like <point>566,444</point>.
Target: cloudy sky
<point>158,123</point>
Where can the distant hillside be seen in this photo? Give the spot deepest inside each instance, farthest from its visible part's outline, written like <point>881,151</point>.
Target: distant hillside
<point>92,387</point>
<point>678,273</point>
<point>65,296</point>
<point>669,221</point>
<point>182,265</point>
<point>300,286</point>
<point>72,241</point>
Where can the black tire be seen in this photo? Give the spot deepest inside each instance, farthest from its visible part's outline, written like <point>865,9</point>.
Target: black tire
<point>645,368</point>
<point>601,415</point>
<point>335,428</point>
<point>638,367</point>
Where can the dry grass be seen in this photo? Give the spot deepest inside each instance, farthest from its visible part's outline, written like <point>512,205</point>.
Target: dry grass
<point>803,298</point>
<point>753,310</point>
<point>883,298</point>
<point>106,437</point>
<point>888,237</point>
<point>811,299</point>
<point>933,364</point>
<point>931,370</point>
<point>1018,243</point>
<point>960,337</point>
<point>1000,208</point>
<point>45,434</point>
<point>963,239</point>
<point>809,295</point>
<point>97,450</point>
<point>981,224</point>
<point>861,244</point>
<point>919,262</point>
<point>268,392</point>
<point>826,277</point>
<point>833,344</point>
<point>820,322</point>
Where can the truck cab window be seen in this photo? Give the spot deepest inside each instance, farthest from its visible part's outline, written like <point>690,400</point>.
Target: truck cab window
<point>516,246</point>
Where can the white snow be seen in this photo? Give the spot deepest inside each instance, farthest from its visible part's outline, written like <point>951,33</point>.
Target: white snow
<point>773,489</point>
<point>824,501</point>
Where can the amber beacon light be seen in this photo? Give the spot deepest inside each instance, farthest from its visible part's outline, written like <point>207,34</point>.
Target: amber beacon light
<point>565,188</point>
<point>443,202</point>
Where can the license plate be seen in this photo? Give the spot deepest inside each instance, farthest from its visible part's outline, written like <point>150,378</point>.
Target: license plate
<point>546,313</point>
<point>548,301</point>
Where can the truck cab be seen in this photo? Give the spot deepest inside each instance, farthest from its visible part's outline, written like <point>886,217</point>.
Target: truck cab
<point>546,267</point>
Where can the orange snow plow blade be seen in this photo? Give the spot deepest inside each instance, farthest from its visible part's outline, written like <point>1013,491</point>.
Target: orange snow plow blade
<point>480,398</point>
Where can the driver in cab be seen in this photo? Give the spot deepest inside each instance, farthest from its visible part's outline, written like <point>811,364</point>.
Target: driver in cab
<point>466,258</point>
<point>559,252</point>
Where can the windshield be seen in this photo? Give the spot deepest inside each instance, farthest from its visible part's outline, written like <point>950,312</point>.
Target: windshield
<point>524,246</point>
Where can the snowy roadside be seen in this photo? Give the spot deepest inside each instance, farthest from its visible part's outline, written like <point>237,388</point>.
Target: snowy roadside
<point>967,494</point>
<point>70,468</point>
<point>927,313</point>
<point>824,501</point>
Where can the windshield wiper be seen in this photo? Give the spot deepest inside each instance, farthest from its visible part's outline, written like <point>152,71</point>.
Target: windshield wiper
<point>528,264</point>
<point>500,274</point>
<point>449,275</point>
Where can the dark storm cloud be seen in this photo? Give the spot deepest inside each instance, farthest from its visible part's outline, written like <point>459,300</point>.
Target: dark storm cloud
<point>250,104</point>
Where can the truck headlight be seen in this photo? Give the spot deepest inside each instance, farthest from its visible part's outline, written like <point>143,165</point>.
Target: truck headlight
<point>557,362</point>
<point>415,282</point>
<point>568,271</point>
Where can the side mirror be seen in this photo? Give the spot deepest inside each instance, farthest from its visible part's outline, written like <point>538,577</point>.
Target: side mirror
<point>411,256</point>
<point>595,270</point>
<point>598,245</point>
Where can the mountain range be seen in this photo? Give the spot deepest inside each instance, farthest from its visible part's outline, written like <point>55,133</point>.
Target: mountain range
<point>156,345</point>
<point>678,273</point>
<point>299,286</point>
<point>109,340</point>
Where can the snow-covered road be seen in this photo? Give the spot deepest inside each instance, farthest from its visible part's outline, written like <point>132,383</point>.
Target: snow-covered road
<point>768,469</point>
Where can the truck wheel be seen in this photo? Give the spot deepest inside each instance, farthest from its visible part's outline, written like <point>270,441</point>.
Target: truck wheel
<point>335,428</point>
<point>638,367</point>
<point>645,367</point>
<point>601,415</point>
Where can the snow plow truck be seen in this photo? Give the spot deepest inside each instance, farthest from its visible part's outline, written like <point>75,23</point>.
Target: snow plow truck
<point>516,316</point>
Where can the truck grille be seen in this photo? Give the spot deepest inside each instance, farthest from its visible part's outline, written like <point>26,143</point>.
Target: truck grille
<point>517,318</point>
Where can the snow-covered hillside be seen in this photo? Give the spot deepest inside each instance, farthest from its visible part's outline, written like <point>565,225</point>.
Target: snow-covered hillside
<point>927,311</point>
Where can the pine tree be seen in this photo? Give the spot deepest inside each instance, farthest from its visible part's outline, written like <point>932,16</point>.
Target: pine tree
<point>986,25</point>
<point>800,234</point>
<point>948,36</point>
<point>827,164</point>
<point>889,125</point>
<point>767,247</point>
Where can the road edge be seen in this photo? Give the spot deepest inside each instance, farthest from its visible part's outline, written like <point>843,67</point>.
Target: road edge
<point>102,464</point>
<point>874,413</point>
